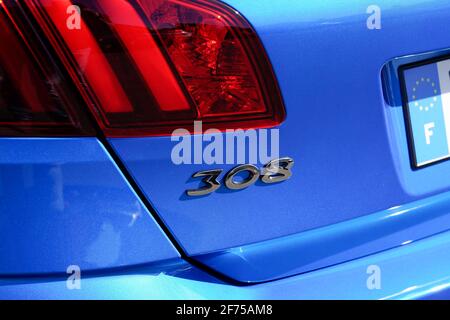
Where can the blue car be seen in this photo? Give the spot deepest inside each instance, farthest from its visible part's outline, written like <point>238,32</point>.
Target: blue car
<point>204,149</point>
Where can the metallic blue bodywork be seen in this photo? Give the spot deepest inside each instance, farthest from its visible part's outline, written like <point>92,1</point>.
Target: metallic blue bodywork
<point>418,270</point>
<point>333,244</point>
<point>64,202</point>
<point>353,200</point>
<point>339,130</point>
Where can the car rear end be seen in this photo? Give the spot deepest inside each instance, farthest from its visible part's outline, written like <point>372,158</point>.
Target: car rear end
<point>183,149</point>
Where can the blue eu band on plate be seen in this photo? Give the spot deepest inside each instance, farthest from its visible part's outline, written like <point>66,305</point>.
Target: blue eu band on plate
<point>427,91</point>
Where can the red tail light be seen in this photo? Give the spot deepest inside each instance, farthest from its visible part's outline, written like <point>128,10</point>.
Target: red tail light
<point>146,67</point>
<point>34,96</point>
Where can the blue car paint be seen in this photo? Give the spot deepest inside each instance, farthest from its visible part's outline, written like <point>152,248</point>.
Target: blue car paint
<point>323,42</point>
<point>333,244</point>
<point>338,130</point>
<point>418,270</point>
<point>64,202</point>
<point>356,237</point>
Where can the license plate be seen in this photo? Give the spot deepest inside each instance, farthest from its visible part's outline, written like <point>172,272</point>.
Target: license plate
<point>426,97</point>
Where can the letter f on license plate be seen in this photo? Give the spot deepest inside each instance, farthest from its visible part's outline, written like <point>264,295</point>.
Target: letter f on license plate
<point>426,95</point>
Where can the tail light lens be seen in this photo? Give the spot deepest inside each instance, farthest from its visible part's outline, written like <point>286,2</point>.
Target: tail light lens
<point>146,67</point>
<point>34,96</point>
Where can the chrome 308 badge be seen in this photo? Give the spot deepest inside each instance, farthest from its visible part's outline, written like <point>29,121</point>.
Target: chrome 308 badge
<point>274,171</point>
<point>243,148</point>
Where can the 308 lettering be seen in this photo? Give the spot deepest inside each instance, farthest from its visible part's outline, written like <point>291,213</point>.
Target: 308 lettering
<point>276,170</point>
